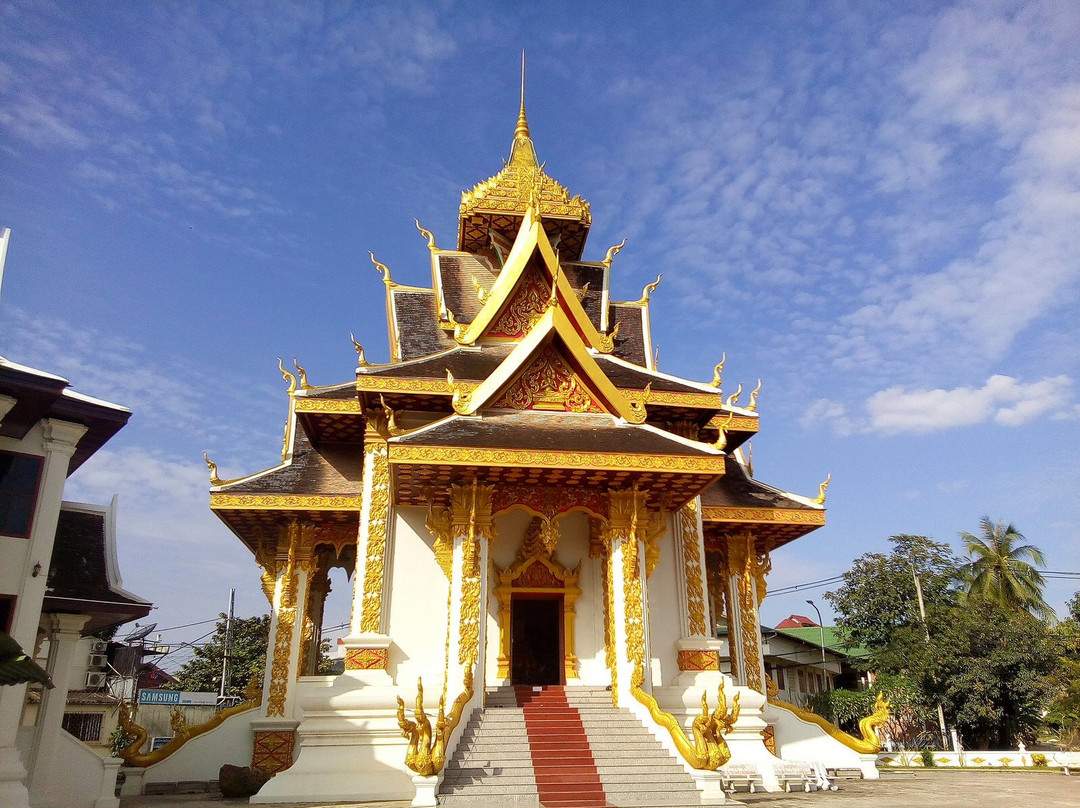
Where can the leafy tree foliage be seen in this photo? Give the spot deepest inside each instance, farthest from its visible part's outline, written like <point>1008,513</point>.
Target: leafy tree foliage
<point>909,710</point>
<point>1062,720</point>
<point>992,665</point>
<point>878,597</point>
<point>993,670</point>
<point>998,571</point>
<point>203,672</point>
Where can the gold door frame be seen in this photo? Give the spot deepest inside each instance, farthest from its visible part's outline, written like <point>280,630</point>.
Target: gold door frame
<point>537,575</point>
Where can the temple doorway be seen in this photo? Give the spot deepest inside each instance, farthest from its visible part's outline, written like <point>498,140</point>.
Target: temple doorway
<point>536,647</point>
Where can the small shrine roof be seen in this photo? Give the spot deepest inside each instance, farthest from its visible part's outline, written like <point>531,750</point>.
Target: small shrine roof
<point>330,470</point>
<point>737,502</point>
<point>525,449</point>
<point>83,574</point>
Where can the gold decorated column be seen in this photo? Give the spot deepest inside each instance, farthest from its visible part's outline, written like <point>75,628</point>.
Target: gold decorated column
<point>367,647</point>
<point>747,567</point>
<point>698,648</point>
<point>624,579</point>
<point>291,566</point>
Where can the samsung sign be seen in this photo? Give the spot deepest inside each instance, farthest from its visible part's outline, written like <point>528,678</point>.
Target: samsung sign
<point>176,697</point>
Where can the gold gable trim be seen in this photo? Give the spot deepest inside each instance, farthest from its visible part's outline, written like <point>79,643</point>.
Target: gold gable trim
<point>347,405</point>
<point>401,454</point>
<point>737,423</point>
<point>283,502</point>
<point>763,516</point>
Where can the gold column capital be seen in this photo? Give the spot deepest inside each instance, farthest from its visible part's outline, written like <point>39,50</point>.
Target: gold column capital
<point>470,510</point>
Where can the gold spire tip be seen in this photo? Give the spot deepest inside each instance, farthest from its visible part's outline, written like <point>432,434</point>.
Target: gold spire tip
<point>522,129</point>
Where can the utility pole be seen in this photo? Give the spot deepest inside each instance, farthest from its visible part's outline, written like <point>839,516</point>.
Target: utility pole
<point>226,662</point>
<point>926,629</point>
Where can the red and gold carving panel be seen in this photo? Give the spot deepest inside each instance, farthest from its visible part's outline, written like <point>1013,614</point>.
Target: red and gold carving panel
<point>273,751</point>
<point>699,660</point>
<point>366,659</point>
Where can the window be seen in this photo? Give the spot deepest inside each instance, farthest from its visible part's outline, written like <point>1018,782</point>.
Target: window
<point>780,677</point>
<point>802,682</point>
<point>84,726</point>
<point>19,477</point>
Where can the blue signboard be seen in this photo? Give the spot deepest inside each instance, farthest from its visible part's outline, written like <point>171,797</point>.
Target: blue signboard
<point>159,696</point>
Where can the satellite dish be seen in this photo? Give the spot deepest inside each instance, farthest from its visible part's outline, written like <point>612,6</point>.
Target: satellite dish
<point>141,634</point>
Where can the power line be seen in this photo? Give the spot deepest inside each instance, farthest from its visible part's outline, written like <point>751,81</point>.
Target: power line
<point>787,590</point>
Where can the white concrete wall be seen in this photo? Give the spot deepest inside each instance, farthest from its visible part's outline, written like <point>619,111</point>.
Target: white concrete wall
<point>202,757</point>
<point>589,620</point>
<point>85,780</point>
<point>665,624</point>
<point>417,593</point>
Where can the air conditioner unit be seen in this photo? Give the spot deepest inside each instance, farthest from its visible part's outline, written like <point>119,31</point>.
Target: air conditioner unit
<point>95,680</point>
<point>99,647</point>
<point>97,661</point>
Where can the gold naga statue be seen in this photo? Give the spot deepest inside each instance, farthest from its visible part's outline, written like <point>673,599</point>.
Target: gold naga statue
<point>868,726</point>
<point>709,750</point>
<point>425,755</point>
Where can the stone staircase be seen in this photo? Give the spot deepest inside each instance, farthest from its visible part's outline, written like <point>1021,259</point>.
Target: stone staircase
<point>561,747</point>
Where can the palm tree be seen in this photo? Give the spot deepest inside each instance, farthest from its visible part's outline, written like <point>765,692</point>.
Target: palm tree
<point>998,571</point>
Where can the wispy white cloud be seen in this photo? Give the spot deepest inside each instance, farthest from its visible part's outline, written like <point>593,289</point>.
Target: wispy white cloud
<point>208,77</point>
<point>1002,399</point>
<point>175,403</point>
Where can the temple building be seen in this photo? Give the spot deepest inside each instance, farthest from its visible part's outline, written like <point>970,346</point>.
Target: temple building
<point>536,522</point>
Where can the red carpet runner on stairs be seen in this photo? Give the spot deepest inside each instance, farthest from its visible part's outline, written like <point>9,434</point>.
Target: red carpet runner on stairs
<point>566,775</point>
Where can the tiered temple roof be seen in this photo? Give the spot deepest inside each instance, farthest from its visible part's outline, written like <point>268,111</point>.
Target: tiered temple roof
<point>516,368</point>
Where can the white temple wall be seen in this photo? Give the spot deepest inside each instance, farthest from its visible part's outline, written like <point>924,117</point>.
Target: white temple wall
<point>417,596</point>
<point>509,531</point>
<point>665,623</point>
<point>589,621</point>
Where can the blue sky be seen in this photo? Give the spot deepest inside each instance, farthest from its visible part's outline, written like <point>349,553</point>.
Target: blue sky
<point>874,208</point>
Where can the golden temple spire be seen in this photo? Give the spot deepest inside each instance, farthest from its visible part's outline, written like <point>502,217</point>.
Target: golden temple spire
<point>522,129</point>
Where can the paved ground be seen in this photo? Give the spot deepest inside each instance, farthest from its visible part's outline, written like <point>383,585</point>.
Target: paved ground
<point>920,789</point>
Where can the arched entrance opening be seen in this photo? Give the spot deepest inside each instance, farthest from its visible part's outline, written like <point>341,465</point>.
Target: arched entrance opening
<point>537,598</point>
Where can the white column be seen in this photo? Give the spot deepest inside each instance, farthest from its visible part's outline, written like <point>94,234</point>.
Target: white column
<point>58,442</point>
<point>64,635</point>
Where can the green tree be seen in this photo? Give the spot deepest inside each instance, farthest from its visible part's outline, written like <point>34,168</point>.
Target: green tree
<point>998,571</point>
<point>878,598</point>
<point>203,672</point>
<point>993,669</point>
<point>1062,719</point>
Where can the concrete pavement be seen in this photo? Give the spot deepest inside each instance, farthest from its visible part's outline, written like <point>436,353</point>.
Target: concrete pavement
<point>895,789</point>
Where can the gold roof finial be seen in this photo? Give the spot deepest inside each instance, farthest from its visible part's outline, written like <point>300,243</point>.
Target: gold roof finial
<point>646,293</point>
<point>820,498</point>
<point>718,372</point>
<point>383,270</point>
<point>361,360</point>
<point>752,406</point>
<point>210,464</point>
<point>611,253</point>
<point>522,129</point>
<point>302,374</point>
<point>286,376</point>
